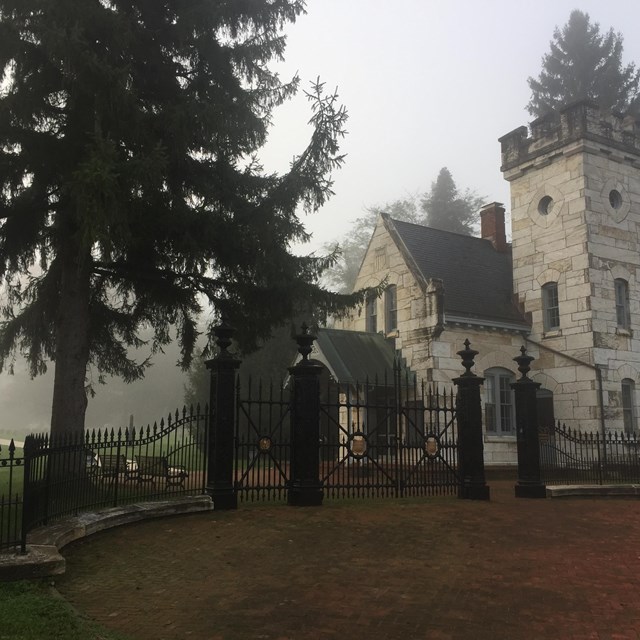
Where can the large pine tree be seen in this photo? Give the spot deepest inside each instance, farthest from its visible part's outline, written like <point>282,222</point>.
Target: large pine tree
<point>130,192</point>
<point>584,63</point>
<point>447,209</point>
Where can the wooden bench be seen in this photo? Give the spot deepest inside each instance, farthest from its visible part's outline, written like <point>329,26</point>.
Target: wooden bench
<point>114,466</point>
<point>150,468</point>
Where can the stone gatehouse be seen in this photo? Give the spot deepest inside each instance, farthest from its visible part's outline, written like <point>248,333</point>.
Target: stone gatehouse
<point>566,286</point>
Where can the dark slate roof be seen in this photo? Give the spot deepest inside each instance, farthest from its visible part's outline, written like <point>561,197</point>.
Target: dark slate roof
<point>357,356</point>
<point>478,280</point>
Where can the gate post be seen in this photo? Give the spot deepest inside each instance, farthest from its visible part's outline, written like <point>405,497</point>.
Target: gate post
<point>305,487</point>
<point>472,483</point>
<point>529,483</point>
<point>222,404</point>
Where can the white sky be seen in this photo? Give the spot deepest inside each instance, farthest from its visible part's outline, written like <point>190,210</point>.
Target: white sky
<point>427,84</point>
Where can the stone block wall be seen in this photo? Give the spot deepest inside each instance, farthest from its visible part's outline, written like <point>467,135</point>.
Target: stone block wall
<point>426,343</point>
<point>588,164</point>
<point>383,261</point>
<point>418,311</point>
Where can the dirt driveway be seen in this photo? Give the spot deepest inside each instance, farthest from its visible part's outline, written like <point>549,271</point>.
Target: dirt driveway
<point>441,568</point>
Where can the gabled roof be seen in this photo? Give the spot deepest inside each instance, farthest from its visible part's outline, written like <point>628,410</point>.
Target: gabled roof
<point>478,280</point>
<point>356,356</point>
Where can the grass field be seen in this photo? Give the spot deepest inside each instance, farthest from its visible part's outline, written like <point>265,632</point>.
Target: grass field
<point>34,611</point>
<point>5,472</point>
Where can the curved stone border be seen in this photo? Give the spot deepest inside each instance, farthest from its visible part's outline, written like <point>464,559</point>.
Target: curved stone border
<point>43,556</point>
<point>594,491</point>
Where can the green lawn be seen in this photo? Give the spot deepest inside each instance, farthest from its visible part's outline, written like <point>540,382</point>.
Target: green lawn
<point>18,477</point>
<point>4,454</point>
<point>34,611</point>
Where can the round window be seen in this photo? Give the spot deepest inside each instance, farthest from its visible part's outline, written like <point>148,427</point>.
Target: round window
<point>545,205</point>
<point>615,199</point>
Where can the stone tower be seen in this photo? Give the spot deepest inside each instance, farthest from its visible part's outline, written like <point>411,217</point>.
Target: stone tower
<point>575,207</point>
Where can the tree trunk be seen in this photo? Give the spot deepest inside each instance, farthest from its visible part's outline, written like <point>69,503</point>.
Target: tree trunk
<point>72,344</point>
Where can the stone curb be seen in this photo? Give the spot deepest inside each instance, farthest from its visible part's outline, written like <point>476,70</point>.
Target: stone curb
<point>43,556</point>
<point>595,491</point>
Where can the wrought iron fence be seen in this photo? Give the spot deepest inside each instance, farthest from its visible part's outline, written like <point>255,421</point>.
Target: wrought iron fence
<point>388,438</point>
<point>11,480</point>
<point>69,474</point>
<point>574,457</point>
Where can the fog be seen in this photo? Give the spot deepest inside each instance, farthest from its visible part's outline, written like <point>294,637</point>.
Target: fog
<point>26,404</point>
<point>427,85</point>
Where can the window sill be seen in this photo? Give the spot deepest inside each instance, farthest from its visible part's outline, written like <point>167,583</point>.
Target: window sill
<point>494,437</point>
<point>620,331</point>
<point>554,333</point>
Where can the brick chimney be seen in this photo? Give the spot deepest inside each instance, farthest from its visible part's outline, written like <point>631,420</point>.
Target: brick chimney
<point>492,225</point>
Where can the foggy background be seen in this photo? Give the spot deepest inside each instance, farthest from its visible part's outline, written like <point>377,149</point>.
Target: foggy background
<point>25,404</point>
<point>426,83</point>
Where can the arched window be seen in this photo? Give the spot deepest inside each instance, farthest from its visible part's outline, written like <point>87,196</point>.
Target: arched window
<point>372,314</point>
<point>390,308</point>
<point>622,303</point>
<point>499,410</point>
<point>629,405</point>
<point>550,308</point>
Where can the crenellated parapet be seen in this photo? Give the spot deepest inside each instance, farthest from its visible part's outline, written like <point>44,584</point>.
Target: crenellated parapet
<point>579,121</point>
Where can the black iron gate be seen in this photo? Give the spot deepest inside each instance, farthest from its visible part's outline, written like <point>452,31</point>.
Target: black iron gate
<point>389,438</point>
<point>262,441</point>
<point>392,438</point>
<point>307,440</point>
